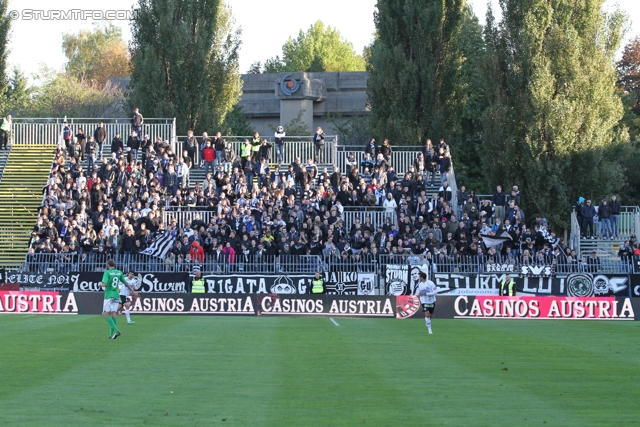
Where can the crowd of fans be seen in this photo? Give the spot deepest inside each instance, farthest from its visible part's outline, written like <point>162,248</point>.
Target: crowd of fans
<point>115,209</point>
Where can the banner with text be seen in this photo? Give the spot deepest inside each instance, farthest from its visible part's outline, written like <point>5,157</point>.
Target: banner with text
<point>528,307</point>
<point>145,282</point>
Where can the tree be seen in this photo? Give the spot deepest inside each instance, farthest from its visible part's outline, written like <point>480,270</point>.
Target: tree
<point>255,68</point>
<point>5,36</point>
<point>352,130</point>
<point>551,122</point>
<point>319,49</point>
<point>95,55</point>
<point>415,68</point>
<point>235,123</point>
<point>185,62</point>
<point>18,93</point>
<point>629,82</point>
<point>60,94</point>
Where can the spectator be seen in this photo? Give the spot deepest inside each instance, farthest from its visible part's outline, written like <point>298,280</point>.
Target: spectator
<point>588,212</point>
<point>604,215</point>
<point>191,146</point>
<point>208,156</point>
<point>615,212</point>
<point>133,142</point>
<point>279,139</point>
<point>499,201</point>
<point>386,150</point>
<point>318,141</point>
<point>5,129</point>
<point>137,121</point>
<point>100,136</point>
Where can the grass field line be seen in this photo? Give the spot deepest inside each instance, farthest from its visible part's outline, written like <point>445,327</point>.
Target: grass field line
<point>334,322</point>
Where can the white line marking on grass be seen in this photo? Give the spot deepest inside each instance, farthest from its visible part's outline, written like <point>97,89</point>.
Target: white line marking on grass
<point>334,322</point>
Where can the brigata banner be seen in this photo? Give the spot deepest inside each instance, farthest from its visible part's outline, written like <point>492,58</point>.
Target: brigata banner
<point>560,308</point>
<point>145,282</point>
<point>248,284</point>
<point>25,302</point>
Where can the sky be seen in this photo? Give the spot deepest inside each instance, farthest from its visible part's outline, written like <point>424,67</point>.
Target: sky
<point>266,25</point>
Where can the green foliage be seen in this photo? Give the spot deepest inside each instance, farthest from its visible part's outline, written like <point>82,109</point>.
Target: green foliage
<point>466,132</point>
<point>550,126</point>
<point>185,62</point>
<point>60,94</point>
<point>18,94</point>
<point>352,130</point>
<point>416,64</point>
<point>5,36</point>
<point>235,123</point>
<point>319,49</point>
<point>95,55</point>
<point>295,126</point>
<point>255,68</point>
<point>629,83</point>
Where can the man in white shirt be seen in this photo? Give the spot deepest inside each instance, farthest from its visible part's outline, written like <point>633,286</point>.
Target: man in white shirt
<point>427,291</point>
<point>127,292</point>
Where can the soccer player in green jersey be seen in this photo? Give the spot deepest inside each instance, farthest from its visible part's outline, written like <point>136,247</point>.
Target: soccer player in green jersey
<point>111,280</point>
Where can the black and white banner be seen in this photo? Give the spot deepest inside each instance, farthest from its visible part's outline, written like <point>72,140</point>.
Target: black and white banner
<point>248,284</point>
<point>578,284</point>
<point>367,283</point>
<point>146,282</point>
<point>37,280</point>
<point>500,268</point>
<point>397,280</point>
<point>341,283</point>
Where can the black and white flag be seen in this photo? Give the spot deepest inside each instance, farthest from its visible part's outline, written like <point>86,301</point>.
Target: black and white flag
<point>490,241</point>
<point>161,245</point>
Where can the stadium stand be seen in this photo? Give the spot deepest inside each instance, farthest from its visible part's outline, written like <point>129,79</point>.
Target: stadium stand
<point>24,176</point>
<point>352,213</point>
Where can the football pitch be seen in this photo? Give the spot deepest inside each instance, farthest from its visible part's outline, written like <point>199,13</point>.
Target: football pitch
<point>265,371</point>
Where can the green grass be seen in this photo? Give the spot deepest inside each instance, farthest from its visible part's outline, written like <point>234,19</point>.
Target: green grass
<point>232,371</point>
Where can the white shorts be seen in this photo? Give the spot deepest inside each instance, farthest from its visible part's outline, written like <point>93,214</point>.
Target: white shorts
<point>110,305</point>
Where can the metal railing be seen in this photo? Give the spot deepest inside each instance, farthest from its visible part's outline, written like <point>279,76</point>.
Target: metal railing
<point>294,146</point>
<point>36,131</point>
<point>377,215</point>
<point>65,263</point>
<point>402,158</point>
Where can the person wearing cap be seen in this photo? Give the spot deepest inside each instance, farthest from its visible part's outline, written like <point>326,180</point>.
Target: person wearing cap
<point>136,121</point>
<point>279,138</point>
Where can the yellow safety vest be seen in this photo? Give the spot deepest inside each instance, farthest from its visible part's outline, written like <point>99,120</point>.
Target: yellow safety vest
<point>316,286</point>
<point>256,144</point>
<point>244,150</point>
<point>197,286</point>
<point>509,292</point>
<point>6,124</point>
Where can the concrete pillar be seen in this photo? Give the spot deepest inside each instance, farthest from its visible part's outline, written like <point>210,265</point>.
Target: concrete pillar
<point>296,92</point>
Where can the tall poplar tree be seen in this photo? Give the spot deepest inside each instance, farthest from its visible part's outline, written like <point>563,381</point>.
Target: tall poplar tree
<point>415,64</point>
<point>551,123</point>
<point>184,56</point>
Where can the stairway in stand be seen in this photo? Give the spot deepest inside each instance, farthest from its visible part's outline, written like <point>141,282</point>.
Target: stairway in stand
<point>23,178</point>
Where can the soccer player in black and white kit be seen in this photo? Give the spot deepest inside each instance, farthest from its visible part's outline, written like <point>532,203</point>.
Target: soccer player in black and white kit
<point>128,289</point>
<point>427,291</point>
